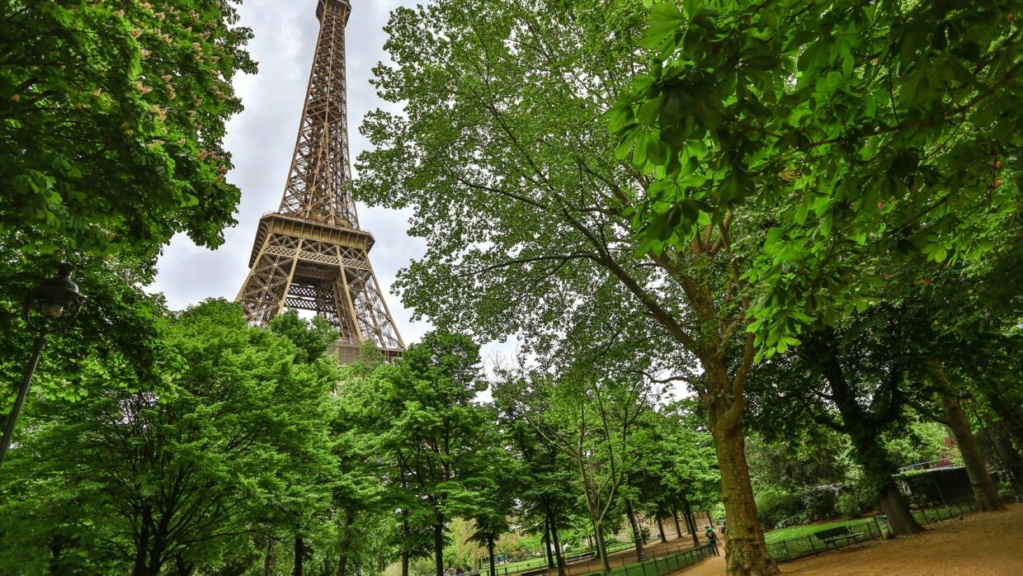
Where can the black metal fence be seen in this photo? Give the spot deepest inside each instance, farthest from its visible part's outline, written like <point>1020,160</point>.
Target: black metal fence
<point>540,562</point>
<point>664,565</point>
<point>869,529</point>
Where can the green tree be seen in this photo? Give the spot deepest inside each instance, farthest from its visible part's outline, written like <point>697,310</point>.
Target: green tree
<point>547,494</point>
<point>174,473</point>
<point>503,154</point>
<point>590,418</point>
<point>111,122</point>
<point>854,381</point>
<point>368,492</point>
<point>112,117</point>
<point>844,122</point>
<point>497,482</point>
<point>675,464</point>
<point>435,430</point>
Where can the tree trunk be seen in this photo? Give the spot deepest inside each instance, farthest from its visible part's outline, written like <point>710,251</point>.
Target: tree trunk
<point>864,430</point>
<point>598,534</point>
<point>660,530</point>
<point>547,542</point>
<point>492,550</point>
<point>746,554</point>
<point>985,496</point>
<point>438,547</point>
<point>1010,417</point>
<point>637,535</point>
<point>404,551</point>
<point>268,560</point>
<point>156,558</point>
<point>687,513</point>
<point>678,528</point>
<point>299,553</point>
<point>1005,452</point>
<point>183,567</point>
<point>900,517</point>
<point>142,543</point>
<point>877,469</point>
<point>345,546</point>
<point>562,570</point>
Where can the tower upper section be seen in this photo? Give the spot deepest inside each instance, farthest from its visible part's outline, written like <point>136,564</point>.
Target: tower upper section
<point>317,185</point>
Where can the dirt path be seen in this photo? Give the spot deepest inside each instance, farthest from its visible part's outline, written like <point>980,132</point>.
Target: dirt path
<point>989,544</point>
<point>713,566</point>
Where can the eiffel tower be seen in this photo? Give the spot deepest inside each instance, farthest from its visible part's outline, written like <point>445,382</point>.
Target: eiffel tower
<point>311,254</point>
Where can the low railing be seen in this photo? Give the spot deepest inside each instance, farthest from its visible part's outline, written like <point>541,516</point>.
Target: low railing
<point>869,529</point>
<point>664,565</point>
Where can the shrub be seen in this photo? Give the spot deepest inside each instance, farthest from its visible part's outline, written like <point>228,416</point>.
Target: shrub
<point>855,501</point>
<point>779,509</point>
<point>819,502</point>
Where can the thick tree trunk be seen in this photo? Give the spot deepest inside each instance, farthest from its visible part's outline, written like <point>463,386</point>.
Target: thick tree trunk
<point>56,566</point>
<point>877,469</point>
<point>1010,417</point>
<point>1005,453</point>
<point>985,495</point>
<point>678,528</point>
<point>562,570</point>
<point>660,530</point>
<point>299,553</point>
<point>900,517</point>
<point>156,558</point>
<point>687,513</point>
<point>864,430</point>
<point>598,534</point>
<point>637,534</point>
<point>746,554</point>
<point>142,544</point>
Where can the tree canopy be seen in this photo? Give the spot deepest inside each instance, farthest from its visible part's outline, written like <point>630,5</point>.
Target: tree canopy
<point>111,121</point>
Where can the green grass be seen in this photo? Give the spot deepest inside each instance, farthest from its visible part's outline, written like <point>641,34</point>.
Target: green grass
<point>793,532</point>
<point>541,562</point>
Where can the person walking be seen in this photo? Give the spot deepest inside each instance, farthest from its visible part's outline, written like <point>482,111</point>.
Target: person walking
<point>712,539</point>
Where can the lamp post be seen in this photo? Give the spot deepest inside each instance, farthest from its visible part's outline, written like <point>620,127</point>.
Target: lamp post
<point>44,307</point>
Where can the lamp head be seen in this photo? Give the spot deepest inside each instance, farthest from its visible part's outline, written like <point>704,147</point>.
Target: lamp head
<point>54,297</point>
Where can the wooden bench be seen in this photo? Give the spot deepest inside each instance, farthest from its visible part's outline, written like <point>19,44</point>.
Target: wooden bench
<point>579,557</point>
<point>838,536</point>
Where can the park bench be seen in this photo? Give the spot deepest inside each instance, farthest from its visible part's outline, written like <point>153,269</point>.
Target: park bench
<point>579,557</point>
<point>838,536</point>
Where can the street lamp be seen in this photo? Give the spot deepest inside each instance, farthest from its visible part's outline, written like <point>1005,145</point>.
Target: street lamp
<point>49,307</point>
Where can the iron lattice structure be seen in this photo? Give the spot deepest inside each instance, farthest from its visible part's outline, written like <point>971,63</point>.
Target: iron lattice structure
<point>311,254</point>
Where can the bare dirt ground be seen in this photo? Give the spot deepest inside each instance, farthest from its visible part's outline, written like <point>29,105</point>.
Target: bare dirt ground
<point>988,544</point>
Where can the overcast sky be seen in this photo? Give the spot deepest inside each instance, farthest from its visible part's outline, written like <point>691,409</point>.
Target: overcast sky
<point>262,139</point>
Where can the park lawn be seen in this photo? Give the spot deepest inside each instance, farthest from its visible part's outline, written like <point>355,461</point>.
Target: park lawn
<point>792,532</point>
<point>521,565</point>
<point>541,562</point>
